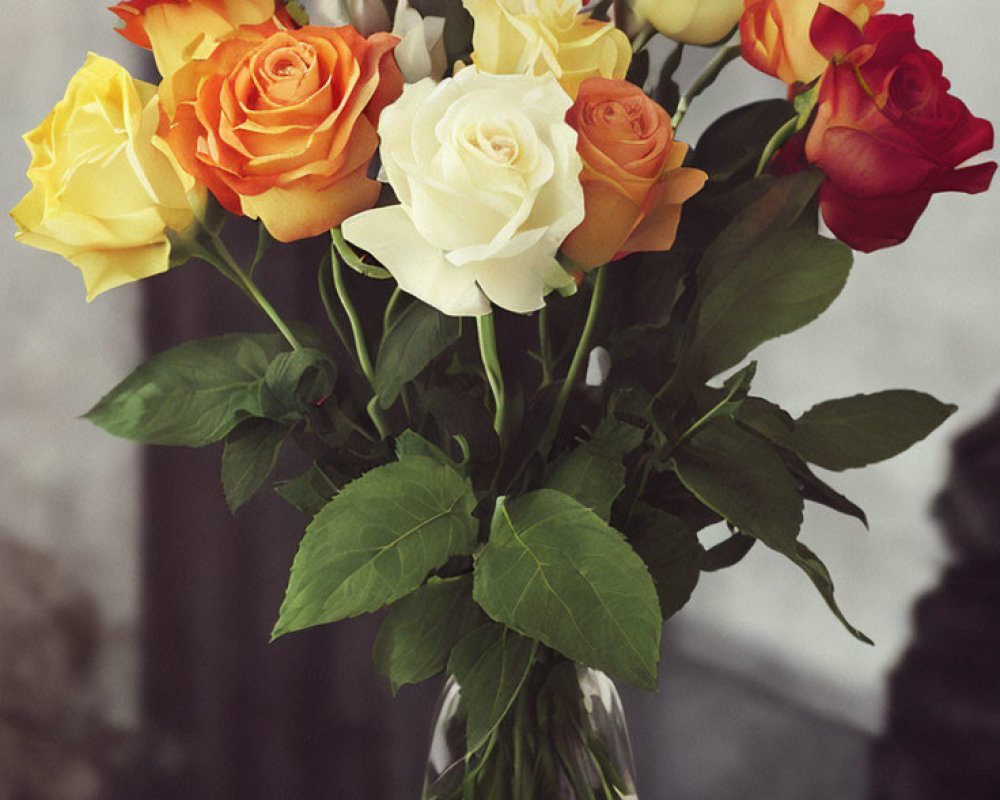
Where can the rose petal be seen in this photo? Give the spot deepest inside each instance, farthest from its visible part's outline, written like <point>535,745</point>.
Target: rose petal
<point>420,268</point>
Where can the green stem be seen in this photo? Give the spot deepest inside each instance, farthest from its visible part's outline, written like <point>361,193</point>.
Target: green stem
<point>545,345</point>
<point>782,135</point>
<point>331,312</point>
<point>706,79</point>
<point>389,308</point>
<point>582,350</point>
<point>232,270</point>
<point>360,346</point>
<point>486,330</point>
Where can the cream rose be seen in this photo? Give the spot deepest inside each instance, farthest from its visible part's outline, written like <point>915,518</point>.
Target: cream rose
<point>693,21</point>
<point>486,172</point>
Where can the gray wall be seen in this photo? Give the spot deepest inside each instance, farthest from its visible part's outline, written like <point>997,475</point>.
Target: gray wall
<point>67,487</point>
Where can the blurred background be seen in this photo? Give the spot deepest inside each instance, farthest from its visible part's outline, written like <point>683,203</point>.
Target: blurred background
<point>135,611</point>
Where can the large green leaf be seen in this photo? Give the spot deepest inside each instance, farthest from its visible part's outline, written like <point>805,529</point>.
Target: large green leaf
<point>554,571</point>
<point>490,664</point>
<point>672,553</point>
<point>377,540</point>
<point>248,458</point>
<point>854,431</point>
<point>421,629</point>
<point>417,337</point>
<point>781,283</point>
<point>193,394</point>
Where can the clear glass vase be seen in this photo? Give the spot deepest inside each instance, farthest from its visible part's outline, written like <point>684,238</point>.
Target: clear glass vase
<point>564,738</point>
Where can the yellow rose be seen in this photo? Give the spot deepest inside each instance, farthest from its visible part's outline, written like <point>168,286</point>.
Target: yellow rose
<point>535,37</point>
<point>692,21</point>
<point>105,190</point>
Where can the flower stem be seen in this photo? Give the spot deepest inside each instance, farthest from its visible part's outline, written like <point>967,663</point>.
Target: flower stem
<point>360,347</point>
<point>223,260</point>
<point>706,79</point>
<point>545,345</point>
<point>782,135</point>
<point>582,349</point>
<point>491,363</point>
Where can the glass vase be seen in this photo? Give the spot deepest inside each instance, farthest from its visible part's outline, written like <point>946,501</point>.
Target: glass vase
<point>564,738</point>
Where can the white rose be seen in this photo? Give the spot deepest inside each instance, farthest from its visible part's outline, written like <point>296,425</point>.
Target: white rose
<point>487,175</point>
<point>420,52</point>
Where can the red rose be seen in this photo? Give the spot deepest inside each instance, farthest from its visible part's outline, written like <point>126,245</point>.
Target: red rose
<point>886,132</point>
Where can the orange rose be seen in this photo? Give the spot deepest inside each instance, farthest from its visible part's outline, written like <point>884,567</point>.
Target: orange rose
<point>775,34</point>
<point>179,30</point>
<point>633,181</point>
<point>283,127</point>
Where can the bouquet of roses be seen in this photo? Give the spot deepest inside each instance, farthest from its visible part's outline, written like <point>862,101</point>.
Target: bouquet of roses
<point>517,453</point>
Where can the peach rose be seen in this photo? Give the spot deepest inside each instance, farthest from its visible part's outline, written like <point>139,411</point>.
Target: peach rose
<point>178,31</point>
<point>775,34</point>
<point>282,128</point>
<point>633,181</point>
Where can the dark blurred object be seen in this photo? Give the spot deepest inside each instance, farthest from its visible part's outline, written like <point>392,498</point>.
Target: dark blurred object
<point>53,746</point>
<point>229,716</point>
<point>942,740</point>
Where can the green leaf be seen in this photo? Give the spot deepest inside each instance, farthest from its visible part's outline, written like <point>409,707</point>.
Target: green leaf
<point>589,478</point>
<point>776,425</point>
<point>593,473</point>
<point>726,553</point>
<point>191,395</point>
<point>309,492</point>
<point>727,400</point>
<point>820,576</point>
<point>778,204</point>
<point>248,458</point>
<point>733,143</point>
<point>377,540</point>
<point>554,571</point>
<point>855,431</point>
<point>490,664</point>
<point>264,242</point>
<point>818,491</point>
<point>783,282</point>
<point>417,337</point>
<point>420,630</point>
<point>672,553</point>
<point>740,476</point>
<point>295,380</point>
<point>409,443</point>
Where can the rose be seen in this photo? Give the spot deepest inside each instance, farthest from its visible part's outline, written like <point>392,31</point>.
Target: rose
<point>887,133</point>
<point>282,127</point>
<point>178,31</point>
<point>693,21</point>
<point>420,52</point>
<point>633,181</point>
<point>533,37</point>
<point>775,35</point>
<point>105,191</point>
<point>485,168</point>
